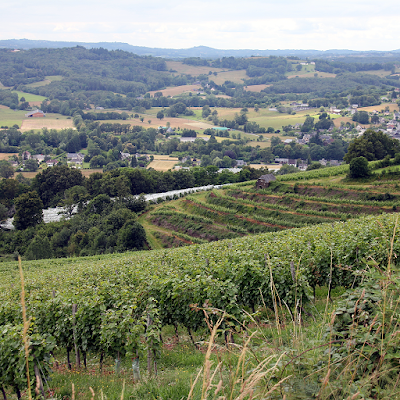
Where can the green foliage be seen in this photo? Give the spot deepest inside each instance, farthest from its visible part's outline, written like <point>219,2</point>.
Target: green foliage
<point>52,183</point>
<point>373,146</point>
<point>12,356</point>
<point>6,169</point>
<point>28,210</point>
<point>359,168</point>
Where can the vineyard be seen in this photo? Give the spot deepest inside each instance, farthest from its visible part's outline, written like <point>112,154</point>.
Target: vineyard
<point>310,198</point>
<point>93,316</point>
<point>117,305</point>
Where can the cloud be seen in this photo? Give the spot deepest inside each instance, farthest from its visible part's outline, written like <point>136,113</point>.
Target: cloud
<point>256,24</point>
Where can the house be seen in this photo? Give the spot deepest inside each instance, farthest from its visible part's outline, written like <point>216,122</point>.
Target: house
<point>71,156</point>
<point>52,163</point>
<point>38,157</point>
<point>35,114</point>
<point>302,166</point>
<point>240,163</point>
<point>264,180</point>
<point>187,139</point>
<point>334,163</point>
<point>26,155</point>
<point>124,156</point>
<point>281,160</point>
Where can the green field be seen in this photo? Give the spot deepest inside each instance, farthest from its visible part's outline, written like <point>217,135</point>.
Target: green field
<point>10,117</point>
<point>28,96</point>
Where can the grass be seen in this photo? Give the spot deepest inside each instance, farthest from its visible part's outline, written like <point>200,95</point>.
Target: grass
<point>28,96</point>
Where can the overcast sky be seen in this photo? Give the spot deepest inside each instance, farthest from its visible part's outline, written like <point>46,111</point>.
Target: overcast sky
<point>222,24</point>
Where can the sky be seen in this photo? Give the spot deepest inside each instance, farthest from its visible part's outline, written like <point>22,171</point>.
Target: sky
<point>221,24</point>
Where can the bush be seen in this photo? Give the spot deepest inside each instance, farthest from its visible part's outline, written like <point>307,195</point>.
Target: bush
<point>359,168</point>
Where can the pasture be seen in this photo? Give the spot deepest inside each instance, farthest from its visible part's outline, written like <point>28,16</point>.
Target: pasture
<point>10,117</point>
<point>29,97</point>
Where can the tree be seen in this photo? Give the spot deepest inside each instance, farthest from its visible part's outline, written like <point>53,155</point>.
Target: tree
<point>28,210</point>
<point>160,115</point>
<point>373,146</point>
<point>6,169</point>
<point>361,117</point>
<point>359,168</point>
<point>52,182</point>
<point>374,119</point>
<point>31,165</point>
<point>131,236</point>
<point>308,124</point>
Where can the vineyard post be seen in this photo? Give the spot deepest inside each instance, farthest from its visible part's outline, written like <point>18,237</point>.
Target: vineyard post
<point>4,393</point>
<point>78,359</point>
<point>150,346</point>
<point>39,384</point>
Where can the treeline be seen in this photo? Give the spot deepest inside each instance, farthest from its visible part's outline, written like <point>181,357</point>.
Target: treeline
<point>319,87</point>
<point>338,67</point>
<point>101,226</point>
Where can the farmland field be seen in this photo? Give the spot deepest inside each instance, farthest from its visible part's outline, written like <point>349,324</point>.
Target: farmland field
<point>29,97</point>
<point>10,117</point>
<point>162,165</point>
<point>176,90</point>
<point>182,68</point>
<point>255,88</point>
<point>234,76</point>
<point>46,122</point>
<point>5,156</point>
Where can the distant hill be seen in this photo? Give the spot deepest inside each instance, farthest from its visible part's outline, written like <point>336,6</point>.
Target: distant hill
<point>199,51</point>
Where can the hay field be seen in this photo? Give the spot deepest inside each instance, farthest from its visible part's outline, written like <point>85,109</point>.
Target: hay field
<point>87,172</point>
<point>162,165</point>
<point>256,88</point>
<point>176,90</point>
<point>234,76</point>
<point>274,167</point>
<point>392,107</point>
<point>159,157</point>
<point>6,156</point>
<point>46,122</point>
<point>182,68</point>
